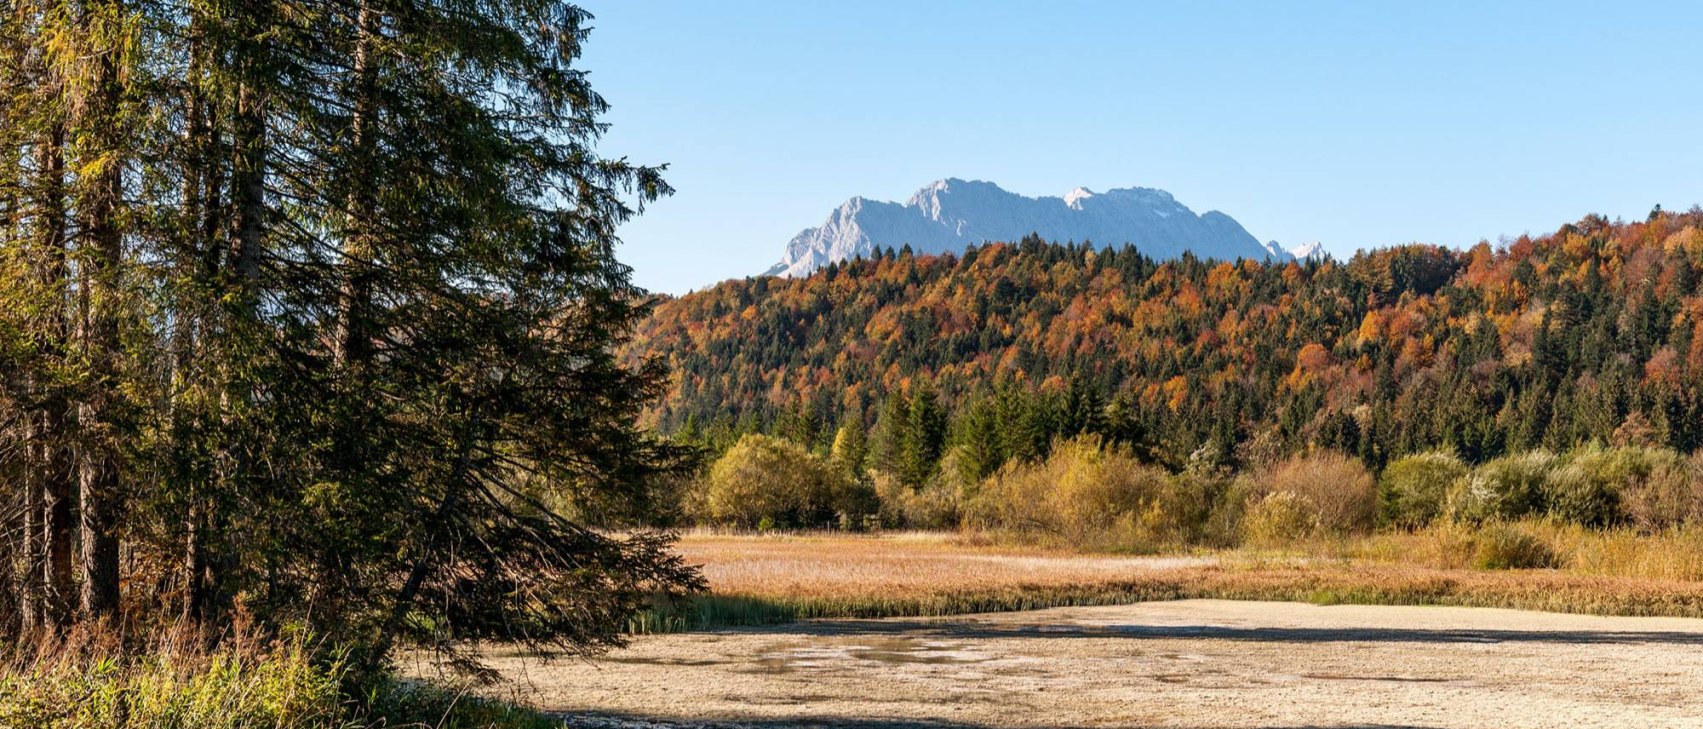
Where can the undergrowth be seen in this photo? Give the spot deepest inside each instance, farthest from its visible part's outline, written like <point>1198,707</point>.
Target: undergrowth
<point>85,681</point>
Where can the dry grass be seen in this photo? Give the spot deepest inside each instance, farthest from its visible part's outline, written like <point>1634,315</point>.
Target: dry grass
<point>1619,553</point>
<point>778,578</point>
<point>758,579</point>
<point>909,563</point>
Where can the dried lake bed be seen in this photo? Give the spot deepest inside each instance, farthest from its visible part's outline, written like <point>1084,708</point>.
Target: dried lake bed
<point>1189,663</point>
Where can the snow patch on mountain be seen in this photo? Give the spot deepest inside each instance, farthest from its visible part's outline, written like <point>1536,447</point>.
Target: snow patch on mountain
<point>1074,198</point>
<point>1310,251</point>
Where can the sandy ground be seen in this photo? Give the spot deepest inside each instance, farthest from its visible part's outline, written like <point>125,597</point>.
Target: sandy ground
<point>1199,663</point>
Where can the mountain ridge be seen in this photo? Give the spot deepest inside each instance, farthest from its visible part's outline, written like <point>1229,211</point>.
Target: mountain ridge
<point>950,214</point>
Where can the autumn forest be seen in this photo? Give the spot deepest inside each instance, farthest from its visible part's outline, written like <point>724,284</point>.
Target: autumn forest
<point>1589,333</point>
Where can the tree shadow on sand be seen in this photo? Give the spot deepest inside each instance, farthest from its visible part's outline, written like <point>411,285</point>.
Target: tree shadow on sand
<point>630,721</point>
<point>975,630</point>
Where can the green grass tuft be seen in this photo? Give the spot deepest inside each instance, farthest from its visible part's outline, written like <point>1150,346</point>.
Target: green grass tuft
<point>282,686</point>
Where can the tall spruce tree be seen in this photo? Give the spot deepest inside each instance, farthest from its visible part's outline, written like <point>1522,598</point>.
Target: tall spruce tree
<point>343,282</point>
<point>925,436</point>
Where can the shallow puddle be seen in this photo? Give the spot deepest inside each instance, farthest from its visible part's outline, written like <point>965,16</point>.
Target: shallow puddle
<point>661,661</point>
<point>823,654</point>
<point>1401,679</point>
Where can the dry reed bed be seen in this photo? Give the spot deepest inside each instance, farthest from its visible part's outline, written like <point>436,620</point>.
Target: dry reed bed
<point>766,579</point>
<point>834,565</point>
<point>1674,556</point>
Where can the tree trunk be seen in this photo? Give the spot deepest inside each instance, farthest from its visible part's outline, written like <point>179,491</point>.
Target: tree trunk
<point>197,581</point>
<point>31,591</point>
<point>198,252</point>
<point>58,528</point>
<point>248,187</point>
<point>352,336</point>
<point>99,498</point>
<point>98,484</point>
<point>425,559</point>
<point>98,479</point>
<point>52,470</point>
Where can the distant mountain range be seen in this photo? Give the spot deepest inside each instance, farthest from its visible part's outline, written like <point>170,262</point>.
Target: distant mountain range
<point>952,214</point>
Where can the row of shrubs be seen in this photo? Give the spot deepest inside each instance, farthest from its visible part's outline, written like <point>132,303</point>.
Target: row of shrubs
<point>1093,494</point>
<point>1651,488</point>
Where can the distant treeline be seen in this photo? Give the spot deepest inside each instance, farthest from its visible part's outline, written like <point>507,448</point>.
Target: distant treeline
<point>1587,334</point>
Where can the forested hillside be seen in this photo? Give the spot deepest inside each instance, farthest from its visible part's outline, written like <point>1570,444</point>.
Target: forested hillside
<point>1589,333</point>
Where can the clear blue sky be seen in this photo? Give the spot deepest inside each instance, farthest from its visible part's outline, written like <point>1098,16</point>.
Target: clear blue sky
<point>1358,124</point>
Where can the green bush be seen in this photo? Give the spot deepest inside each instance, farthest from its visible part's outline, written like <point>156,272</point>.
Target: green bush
<point>933,505</point>
<point>1503,547</point>
<point>1191,508</point>
<point>1085,493</point>
<point>1415,489</point>
<point>398,704</point>
<point>1670,496</point>
<point>1591,487</point>
<point>762,479</point>
<point>1278,518</point>
<point>1572,495</point>
<point>1507,488</point>
<point>1336,488</point>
